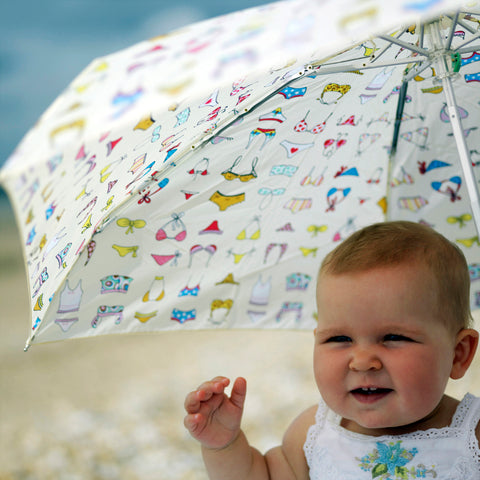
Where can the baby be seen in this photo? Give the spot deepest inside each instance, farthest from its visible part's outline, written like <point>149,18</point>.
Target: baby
<point>394,325</point>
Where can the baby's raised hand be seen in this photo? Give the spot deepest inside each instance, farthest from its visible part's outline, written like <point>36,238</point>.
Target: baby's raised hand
<point>212,417</point>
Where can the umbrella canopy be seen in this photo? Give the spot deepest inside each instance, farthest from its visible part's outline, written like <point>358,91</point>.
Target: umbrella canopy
<point>196,180</point>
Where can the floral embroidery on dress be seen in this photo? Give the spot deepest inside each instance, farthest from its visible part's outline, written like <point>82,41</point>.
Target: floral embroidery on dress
<point>388,462</point>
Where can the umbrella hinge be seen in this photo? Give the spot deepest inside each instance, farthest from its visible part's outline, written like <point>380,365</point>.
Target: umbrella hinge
<point>456,62</point>
<point>447,74</point>
<point>450,64</point>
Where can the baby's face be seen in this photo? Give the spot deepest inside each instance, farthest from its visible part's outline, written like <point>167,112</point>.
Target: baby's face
<point>382,358</point>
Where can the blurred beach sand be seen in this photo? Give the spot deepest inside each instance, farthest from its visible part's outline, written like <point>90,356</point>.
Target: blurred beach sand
<point>112,407</point>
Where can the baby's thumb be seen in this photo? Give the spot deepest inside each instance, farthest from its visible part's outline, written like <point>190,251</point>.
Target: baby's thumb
<point>239,392</point>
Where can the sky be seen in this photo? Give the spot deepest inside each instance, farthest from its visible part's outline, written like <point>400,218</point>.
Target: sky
<point>45,44</point>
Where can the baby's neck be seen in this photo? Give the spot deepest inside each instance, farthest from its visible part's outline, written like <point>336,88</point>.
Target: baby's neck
<point>440,417</point>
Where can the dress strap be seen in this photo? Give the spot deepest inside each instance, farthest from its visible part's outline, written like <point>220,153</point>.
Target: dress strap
<point>467,414</point>
<point>313,433</point>
<point>466,419</point>
<point>472,419</point>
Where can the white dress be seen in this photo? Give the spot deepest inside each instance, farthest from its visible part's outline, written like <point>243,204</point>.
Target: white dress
<point>450,453</point>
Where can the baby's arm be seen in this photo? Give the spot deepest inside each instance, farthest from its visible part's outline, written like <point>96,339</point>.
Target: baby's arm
<point>214,419</point>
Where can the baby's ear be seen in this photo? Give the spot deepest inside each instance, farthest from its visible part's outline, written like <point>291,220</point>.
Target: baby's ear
<point>465,348</point>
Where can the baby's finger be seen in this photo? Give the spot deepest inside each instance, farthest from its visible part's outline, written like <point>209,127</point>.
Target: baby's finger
<point>217,382</point>
<point>192,402</point>
<point>239,392</point>
<point>207,389</point>
<point>204,392</point>
<point>192,422</point>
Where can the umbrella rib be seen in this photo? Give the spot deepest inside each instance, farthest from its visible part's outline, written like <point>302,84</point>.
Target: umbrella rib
<point>389,44</point>
<point>398,117</point>
<point>340,62</point>
<point>408,46</point>
<point>374,57</point>
<point>452,31</point>
<point>339,68</point>
<point>461,49</point>
<point>466,26</point>
<point>421,35</point>
<point>206,139</point>
<point>417,71</point>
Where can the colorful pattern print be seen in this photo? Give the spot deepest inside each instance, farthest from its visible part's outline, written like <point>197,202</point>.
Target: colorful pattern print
<point>390,462</point>
<point>207,198</point>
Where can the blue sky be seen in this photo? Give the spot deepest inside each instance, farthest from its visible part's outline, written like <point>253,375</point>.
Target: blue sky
<point>45,44</point>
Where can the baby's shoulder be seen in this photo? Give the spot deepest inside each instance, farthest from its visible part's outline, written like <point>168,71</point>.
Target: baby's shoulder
<point>294,439</point>
<point>307,416</point>
<point>298,429</point>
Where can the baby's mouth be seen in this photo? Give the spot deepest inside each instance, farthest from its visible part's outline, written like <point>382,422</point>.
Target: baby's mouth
<point>370,394</point>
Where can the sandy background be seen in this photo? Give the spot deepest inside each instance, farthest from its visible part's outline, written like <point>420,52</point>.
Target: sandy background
<point>112,407</point>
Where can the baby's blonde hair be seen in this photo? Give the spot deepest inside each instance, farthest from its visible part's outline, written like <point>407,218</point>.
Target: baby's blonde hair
<point>393,243</point>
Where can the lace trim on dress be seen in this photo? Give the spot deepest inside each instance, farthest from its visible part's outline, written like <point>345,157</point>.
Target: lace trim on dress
<point>472,418</point>
<point>461,419</point>
<point>461,414</point>
<point>314,431</point>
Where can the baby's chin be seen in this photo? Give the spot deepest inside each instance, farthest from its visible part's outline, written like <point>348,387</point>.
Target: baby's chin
<point>381,427</point>
<point>373,429</point>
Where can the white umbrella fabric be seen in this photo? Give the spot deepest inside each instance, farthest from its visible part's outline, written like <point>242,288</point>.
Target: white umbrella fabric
<point>196,180</point>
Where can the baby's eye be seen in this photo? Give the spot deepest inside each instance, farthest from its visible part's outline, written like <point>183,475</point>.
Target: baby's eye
<point>339,339</point>
<point>392,337</point>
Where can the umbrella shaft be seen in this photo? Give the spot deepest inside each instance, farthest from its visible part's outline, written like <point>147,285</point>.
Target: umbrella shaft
<point>463,151</point>
<point>445,75</point>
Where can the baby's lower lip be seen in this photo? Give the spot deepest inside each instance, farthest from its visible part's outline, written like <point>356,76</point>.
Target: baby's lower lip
<point>371,395</point>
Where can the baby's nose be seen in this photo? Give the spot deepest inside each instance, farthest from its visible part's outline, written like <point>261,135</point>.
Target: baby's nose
<point>364,359</point>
